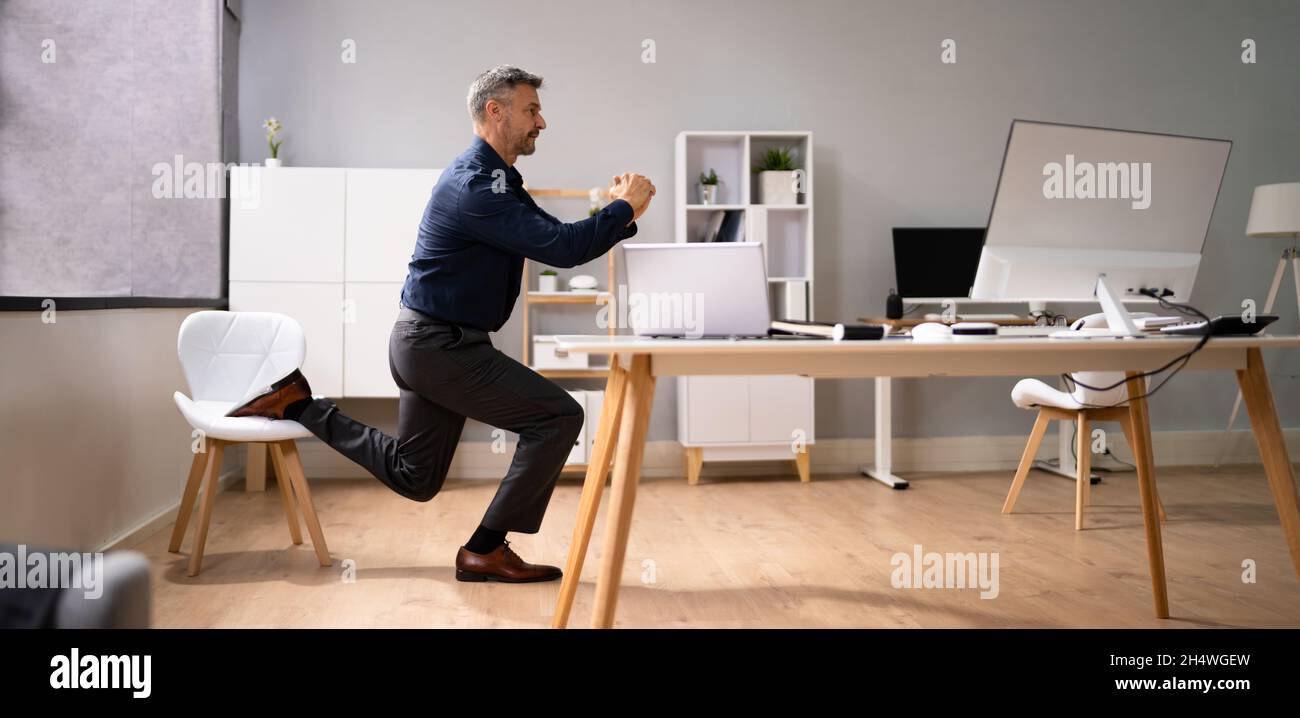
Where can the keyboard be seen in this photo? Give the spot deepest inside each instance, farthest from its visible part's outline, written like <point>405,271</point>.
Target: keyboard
<point>1222,326</point>
<point>1027,331</point>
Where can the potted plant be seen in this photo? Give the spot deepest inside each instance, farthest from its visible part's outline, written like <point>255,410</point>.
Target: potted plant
<point>709,187</point>
<point>776,177</point>
<point>273,127</point>
<point>548,281</point>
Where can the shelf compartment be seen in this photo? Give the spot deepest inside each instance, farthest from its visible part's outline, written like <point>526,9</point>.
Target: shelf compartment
<point>726,155</point>
<point>797,143</point>
<point>787,241</point>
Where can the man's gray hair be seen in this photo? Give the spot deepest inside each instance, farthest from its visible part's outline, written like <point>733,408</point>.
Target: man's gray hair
<point>494,84</point>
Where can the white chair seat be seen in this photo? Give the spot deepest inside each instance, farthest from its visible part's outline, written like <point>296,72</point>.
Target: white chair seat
<point>1032,393</point>
<point>210,418</point>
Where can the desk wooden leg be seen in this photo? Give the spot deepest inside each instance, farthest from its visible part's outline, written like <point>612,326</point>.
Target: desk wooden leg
<point>1258,395</point>
<point>1126,425</point>
<point>638,398</point>
<point>597,467</point>
<point>1145,458</point>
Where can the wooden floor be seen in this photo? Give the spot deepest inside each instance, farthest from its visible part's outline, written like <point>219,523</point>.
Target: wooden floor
<point>752,552</point>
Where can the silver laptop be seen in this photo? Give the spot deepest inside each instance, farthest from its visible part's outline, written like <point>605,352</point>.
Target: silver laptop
<point>697,290</point>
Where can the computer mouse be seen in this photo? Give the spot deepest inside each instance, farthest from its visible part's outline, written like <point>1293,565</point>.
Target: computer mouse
<point>931,331</point>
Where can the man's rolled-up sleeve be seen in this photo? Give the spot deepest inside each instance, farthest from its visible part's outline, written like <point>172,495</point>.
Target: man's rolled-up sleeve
<point>502,220</point>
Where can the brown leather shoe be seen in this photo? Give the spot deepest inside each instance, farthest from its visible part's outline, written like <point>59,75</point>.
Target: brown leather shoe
<point>271,401</point>
<point>503,565</point>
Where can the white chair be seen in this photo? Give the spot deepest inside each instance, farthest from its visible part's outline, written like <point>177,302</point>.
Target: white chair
<point>227,358</point>
<point>1082,406</point>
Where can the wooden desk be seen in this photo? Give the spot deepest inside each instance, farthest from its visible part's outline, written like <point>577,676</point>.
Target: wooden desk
<point>636,363</point>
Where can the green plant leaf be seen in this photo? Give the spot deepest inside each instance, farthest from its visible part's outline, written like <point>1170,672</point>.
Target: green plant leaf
<point>775,159</point>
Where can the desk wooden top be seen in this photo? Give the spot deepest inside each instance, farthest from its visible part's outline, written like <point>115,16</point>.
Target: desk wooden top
<point>903,356</point>
<point>603,343</point>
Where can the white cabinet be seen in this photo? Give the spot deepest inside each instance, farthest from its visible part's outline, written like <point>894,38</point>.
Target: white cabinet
<point>369,310</point>
<point>384,207</point>
<point>780,408</point>
<point>329,247</point>
<point>583,446</point>
<point>739,410</point>
<point>717,409</point>
<point>579,453</point>
<point>286,224</point>
<point>318,307</point>
<point>593,402</point>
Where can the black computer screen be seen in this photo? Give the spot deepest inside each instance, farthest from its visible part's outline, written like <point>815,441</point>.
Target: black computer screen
<point>936,261</point>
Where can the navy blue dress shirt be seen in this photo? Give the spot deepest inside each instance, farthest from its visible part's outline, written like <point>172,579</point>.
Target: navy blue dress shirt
<point>478,227</point>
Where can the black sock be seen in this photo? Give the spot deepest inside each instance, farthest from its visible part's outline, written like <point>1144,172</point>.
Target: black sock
<point>485,540</point>
<point>294,410</point>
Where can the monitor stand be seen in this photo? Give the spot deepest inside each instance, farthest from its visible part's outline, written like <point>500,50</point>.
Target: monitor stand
<point>1112,304</point>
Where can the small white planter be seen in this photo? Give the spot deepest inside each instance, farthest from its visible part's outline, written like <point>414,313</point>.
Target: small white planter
<point>777,187</point>
<point>708,193</point>
<point>273,162</point>
<point>548,283</point>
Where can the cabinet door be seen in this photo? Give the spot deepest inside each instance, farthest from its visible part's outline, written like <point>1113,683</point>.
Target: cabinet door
<point>595,402</point>
<point>369,310</point>
<point>779,406</point>
<point>318,308</point>
<point>717,409</point>
<point>384,208</point>
<point>578,455</point>
<point>286,224</point>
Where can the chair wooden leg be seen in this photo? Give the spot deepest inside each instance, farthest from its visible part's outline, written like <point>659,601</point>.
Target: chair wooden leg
<point>1083,462</point>
<point>1026,461</point>
<point>255,467</point>
<point>286,495</point>
<point>293,467</point>
<point>694,464</point>
<point>803,464</point>
<point>187,500</point>
<point>1141,428</point>
<point>211,477</point>
<point>1126,425</point>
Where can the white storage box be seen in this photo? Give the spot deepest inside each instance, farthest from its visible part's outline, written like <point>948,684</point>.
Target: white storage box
<point>544,355</point>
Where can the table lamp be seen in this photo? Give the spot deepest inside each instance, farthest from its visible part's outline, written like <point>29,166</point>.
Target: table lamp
<point>1274,212</point>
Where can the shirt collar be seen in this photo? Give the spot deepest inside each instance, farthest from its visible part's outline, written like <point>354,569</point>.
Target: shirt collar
<point>491,160</point>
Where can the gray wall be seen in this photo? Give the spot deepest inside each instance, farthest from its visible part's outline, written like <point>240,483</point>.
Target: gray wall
<point>133,84</point>
<point>901,139</point>
<point>91,454</point>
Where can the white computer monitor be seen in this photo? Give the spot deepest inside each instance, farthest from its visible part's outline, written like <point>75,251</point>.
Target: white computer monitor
<point>1077,204</point>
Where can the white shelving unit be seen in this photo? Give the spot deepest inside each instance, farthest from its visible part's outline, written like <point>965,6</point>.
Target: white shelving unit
<point>747,418</point>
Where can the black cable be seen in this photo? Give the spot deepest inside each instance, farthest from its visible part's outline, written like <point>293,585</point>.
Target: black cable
<point>1074,453</point>
<point>1181,360</point>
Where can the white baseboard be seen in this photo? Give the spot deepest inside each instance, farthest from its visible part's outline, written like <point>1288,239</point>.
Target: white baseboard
<point>475,460</point>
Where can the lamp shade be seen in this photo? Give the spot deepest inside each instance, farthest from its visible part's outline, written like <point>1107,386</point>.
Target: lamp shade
<point>1275,211</point>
